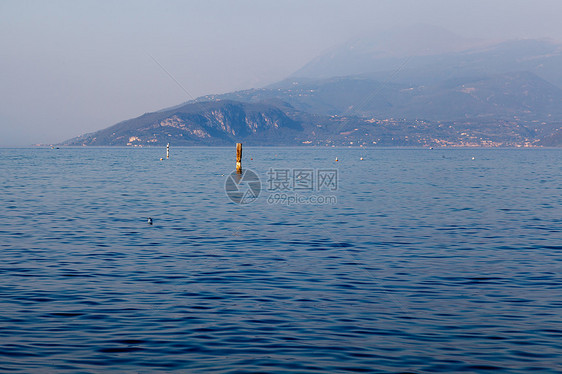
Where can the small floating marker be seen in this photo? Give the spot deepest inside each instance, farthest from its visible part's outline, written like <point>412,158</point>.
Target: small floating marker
<point>336,159</point>
<point>430,147</point>
<point>161,159</point>
<point>361,159</point>
<point>149,220</point>
<point>168,150</point>
<point>251,158</point>
<point>473,158</point>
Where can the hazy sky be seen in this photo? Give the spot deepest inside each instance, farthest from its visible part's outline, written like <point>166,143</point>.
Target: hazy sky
<point>70,67</point>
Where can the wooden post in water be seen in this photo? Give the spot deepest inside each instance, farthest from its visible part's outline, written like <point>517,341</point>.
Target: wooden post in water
<point>239,157</point>
<point>168,150</point>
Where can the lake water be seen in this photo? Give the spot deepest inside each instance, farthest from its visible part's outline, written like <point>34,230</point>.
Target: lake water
<point>445,260</point>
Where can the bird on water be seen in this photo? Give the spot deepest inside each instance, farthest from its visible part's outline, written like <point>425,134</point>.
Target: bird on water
<point>149,221</point>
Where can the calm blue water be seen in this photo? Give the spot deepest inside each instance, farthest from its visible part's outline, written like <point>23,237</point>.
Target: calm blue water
<point>430,261</point>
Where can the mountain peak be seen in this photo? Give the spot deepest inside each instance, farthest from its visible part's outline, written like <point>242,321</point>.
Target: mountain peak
<point>413,54</point>
<point>383,50</point>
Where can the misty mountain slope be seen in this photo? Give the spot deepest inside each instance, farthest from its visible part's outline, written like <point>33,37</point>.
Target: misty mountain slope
<point>224,122</point>
<point>451,91</point>
<point>521,94</point>
<point>518,94</point>
<point>209,123</point>
<point>540,57</point>
<point>444,78</point>
<point>386,51</point>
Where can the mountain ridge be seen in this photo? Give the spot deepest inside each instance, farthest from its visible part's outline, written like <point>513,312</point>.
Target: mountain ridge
<point>209,123</point>
<point>498,95</point>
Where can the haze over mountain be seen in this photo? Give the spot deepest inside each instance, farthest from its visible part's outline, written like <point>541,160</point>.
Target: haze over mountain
<point>385,51</point>
<point>506,93</point>
<point>71,67</point>
<point>424,55</point>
